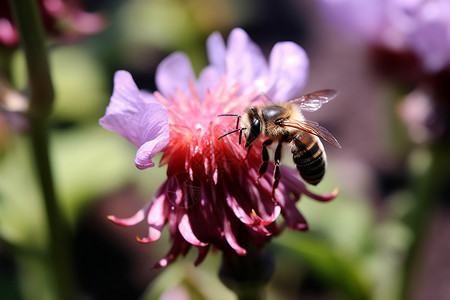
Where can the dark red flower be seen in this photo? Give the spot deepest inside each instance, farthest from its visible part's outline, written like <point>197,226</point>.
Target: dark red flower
<point>211,196</point>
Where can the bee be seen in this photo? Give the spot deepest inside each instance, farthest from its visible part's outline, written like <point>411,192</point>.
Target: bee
<point>284,123</point>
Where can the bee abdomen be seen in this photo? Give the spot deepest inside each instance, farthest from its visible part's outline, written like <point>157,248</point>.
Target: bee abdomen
<point>309,156</point>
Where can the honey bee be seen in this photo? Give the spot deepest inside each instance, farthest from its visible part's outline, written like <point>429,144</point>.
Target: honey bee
<point>285,123</point>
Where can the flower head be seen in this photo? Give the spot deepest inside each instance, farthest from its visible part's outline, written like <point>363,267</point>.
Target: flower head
<point>420,27</point>
<point>63,18</point>
<point>211,197</point>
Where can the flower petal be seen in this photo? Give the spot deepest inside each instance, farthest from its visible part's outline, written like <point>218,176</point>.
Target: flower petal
<point>231,239</point>
<point>149,149</point>
<point>321,198</point>
<point>270,220</point>
<point>211,74</point>
<point>138,217</point>
<point>143,123</point>
<point>216,50</point>
<point>174,72</point>
<point>154,233</point>
<point>122,113</point>
<point>179,246</point>
<point>156,218</point>
<point>289,68</point>
<point>186,231</point>
<point>202,252</point>
<point>245,62</point>
<point>293,217</point>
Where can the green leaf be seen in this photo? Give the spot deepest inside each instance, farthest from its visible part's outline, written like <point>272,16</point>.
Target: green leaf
<point>333,266</point>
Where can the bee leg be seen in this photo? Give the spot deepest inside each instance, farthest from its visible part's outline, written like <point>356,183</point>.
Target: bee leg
<point>265,157</point>
<point>276,173</point>
<point>248,151</point>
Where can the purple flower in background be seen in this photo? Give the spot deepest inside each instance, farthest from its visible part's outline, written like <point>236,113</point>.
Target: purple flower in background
<point>421,27</point>
<point>211,197</point>
<point>61,18</point>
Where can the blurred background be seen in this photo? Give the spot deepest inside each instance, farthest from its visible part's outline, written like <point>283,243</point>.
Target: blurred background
<point>389,223</point>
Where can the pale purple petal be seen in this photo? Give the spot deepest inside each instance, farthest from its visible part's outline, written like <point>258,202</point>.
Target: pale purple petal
<point>142,122</point>
<point>216,50</point>
<point>211,74</point>
<point>153,132</point>
<point>122,113</point>
<point>289,69</point>
<point>174,72</point>
<point>209,77</point>
<point>245,62</point>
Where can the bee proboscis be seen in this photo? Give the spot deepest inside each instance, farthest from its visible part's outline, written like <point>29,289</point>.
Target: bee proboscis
<point>284,123</point>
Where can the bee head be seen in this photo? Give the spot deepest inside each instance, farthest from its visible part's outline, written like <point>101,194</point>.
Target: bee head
<point>252,125</point>
<point>251,121</point>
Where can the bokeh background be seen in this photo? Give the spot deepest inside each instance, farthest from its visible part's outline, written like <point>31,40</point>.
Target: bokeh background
<point>358,244</point>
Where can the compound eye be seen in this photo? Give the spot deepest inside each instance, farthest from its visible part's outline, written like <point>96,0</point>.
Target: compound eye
<point>256,128</point>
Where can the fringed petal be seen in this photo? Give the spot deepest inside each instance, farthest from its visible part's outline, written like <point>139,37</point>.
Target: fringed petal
<point>154,233</point>
<point>202,252</point>
<point>231,239</point>
<point>322,198</point>
<point>179,246</point>
<point>186,231</point>
<point>137,218</point>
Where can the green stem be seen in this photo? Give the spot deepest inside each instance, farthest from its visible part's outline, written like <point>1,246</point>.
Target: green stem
<point>41,96</point>
<point>32,39</point>
<point>426,190</point>
<point>60,257</point>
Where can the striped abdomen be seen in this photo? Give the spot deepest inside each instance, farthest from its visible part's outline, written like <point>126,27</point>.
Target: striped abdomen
<point>309,156</point>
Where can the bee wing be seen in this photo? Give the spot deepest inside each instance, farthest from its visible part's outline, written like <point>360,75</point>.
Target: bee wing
<point>312,102</point>
<point>313,128</point>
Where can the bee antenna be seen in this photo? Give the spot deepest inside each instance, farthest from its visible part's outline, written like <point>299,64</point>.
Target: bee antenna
<point>228,115</point>
<point>233,131</point>
<point>237,126</point>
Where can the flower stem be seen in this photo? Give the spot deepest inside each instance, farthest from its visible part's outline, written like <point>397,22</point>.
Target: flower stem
<point>248,275</point>
<point>32,39</point>
<point>426,190</point>
<point>41,96</point>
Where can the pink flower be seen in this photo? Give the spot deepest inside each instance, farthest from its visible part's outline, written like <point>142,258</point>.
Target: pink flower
<point>61,18</point>
<point>211,197</point>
